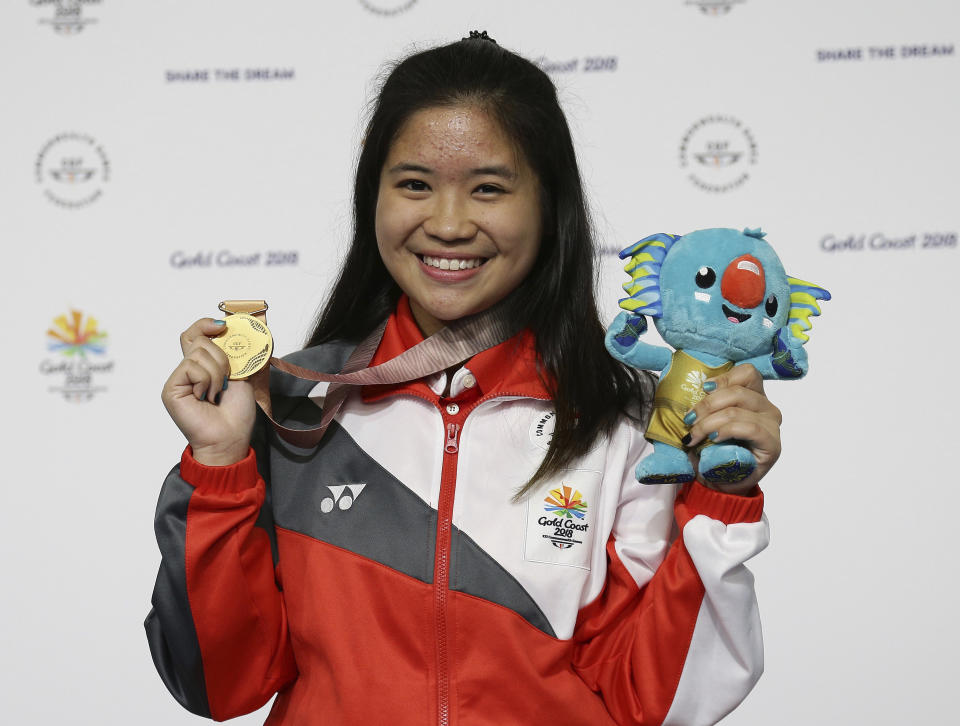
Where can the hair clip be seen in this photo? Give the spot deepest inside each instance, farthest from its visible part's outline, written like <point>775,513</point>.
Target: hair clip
<point>479,35</point>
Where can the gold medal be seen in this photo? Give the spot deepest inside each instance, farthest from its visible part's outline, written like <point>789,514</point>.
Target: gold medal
<point>247,343</point>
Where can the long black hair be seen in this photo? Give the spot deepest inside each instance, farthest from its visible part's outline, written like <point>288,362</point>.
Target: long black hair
<point>556,301</point>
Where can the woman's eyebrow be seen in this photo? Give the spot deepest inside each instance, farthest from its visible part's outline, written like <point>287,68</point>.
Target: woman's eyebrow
<point>498,170</point>
<point>505,171</point>
<point>407,166</point>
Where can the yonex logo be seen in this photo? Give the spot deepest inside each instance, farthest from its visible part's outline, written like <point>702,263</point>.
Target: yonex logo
<point>341,497</point>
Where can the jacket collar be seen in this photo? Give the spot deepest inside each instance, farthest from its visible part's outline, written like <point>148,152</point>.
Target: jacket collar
<point>507,369</point>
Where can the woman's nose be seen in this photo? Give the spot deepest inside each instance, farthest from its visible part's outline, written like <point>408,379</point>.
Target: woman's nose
<point>449,221</point>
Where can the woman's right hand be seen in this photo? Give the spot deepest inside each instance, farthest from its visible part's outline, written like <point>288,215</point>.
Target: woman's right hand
<point>216,418</point>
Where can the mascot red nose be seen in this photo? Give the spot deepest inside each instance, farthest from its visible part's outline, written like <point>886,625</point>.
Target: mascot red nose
<point>743,282</point>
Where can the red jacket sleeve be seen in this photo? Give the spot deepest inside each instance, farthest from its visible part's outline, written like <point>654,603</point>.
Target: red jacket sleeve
<point>634,640</point>
<point>218,628</point>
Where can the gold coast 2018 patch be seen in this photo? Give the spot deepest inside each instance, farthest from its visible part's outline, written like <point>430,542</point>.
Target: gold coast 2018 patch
<point>561,520</point>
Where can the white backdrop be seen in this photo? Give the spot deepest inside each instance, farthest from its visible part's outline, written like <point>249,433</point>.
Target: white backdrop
<point>156,158</point>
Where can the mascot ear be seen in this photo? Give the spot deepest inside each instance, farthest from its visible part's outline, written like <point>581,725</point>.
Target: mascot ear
<point>803,305</point>
<point>646,258</point>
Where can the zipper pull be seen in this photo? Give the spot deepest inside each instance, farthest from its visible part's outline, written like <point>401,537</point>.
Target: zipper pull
<point>453,431</point>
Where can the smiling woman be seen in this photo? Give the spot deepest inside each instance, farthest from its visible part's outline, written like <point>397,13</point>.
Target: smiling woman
<point>468,546</point>
<point>458,214</point>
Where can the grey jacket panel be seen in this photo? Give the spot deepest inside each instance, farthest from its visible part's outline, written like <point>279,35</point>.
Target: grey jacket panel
<point>170,631</point>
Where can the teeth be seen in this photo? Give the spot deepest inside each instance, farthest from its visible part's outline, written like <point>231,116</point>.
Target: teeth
<point>445,263</point>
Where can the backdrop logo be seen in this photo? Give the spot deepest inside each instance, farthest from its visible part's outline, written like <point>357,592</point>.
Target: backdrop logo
<point>882,242</point>
<point>72,168</point>
<point>714,7</point>
<point>586,64</point>
<point>718,152</point>
<point>68,18</point>
<point>79,345</point>
<point>388,7</point>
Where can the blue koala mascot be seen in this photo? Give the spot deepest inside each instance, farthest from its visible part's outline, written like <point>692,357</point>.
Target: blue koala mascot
<point>721,298</point>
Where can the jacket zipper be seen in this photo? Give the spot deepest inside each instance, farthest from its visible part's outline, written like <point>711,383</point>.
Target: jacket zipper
<point>441,574</point>
<point>452,427</point>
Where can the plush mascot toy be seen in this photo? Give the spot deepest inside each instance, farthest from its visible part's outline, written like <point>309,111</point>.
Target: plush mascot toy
<point>721,298</point>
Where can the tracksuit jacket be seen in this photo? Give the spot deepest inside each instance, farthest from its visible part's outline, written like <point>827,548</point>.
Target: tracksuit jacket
<point>388,576</point>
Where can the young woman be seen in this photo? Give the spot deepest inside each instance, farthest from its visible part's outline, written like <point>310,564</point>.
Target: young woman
<point>439,558</point>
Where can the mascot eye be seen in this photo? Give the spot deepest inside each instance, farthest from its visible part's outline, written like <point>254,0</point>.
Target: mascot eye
<point>705,277</point>
<point>771,305</point>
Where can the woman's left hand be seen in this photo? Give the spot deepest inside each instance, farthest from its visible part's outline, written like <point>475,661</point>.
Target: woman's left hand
<point>738,409</point>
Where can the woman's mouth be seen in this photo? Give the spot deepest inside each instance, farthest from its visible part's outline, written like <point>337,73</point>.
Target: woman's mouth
<point>452,263</point>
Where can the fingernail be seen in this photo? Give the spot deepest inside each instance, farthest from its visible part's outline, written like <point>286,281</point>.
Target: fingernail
<point>690,417</point>
<point>204,396</point>
<point>710,386</point>
<point>713,435</point>
<point>686,440</point>
<point>219,322</point>
<point>226,380</point>
<point>216,399</point>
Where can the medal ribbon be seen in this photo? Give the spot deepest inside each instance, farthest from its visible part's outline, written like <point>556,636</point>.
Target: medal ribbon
<point>457,342</point>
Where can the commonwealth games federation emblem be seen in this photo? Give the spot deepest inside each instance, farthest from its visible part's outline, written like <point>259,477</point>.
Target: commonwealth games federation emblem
<point>387,7</point>
<point>714,7</point>
<point>72,168</point>
<point>718,153</point>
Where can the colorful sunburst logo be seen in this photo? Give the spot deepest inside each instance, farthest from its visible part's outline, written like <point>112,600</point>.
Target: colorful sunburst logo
<point>567,502</point>
<point>73,336</point>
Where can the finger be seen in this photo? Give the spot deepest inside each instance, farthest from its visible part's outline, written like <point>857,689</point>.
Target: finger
<point>215,352</point>
<point>204,327</point>
<point>193,378</point>
<point>759,432</point>
<point>212,357</point>
<point>733,397</point>
<point>214,362</point>
<point>741,375</point>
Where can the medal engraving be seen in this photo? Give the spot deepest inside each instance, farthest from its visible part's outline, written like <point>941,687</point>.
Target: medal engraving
<point>247,343</point>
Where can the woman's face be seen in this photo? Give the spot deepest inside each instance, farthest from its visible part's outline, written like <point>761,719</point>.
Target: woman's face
<point>458,214</point>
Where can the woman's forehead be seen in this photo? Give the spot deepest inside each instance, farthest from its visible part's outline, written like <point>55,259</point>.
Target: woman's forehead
<point>448,137</point>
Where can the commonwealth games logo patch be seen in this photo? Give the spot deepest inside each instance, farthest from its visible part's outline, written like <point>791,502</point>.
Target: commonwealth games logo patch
<point>562,519</point>
<point>567,502</point>
<point>568,506</point>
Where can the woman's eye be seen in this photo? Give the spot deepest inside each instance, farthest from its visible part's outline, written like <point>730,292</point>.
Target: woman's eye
<point>488,189</point>
<point>414,185</point>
